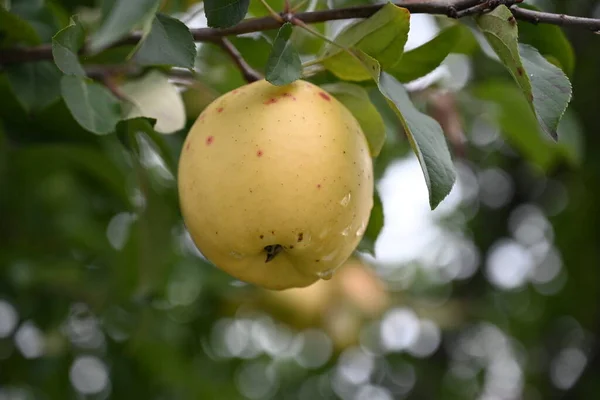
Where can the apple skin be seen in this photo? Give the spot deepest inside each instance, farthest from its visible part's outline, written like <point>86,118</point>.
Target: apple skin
<point>284,168</point>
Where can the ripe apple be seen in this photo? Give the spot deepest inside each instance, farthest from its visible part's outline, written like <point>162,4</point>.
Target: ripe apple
<point>276,184</point>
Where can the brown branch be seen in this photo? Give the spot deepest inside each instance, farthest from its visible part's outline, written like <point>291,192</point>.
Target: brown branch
<point>456,9</point>
<point>538,17</point>
<point>249,73</point>
<point>484,6</point>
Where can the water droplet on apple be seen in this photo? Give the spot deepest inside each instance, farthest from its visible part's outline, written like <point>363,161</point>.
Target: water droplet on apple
<point>330,256</point>
<point>323,233</point>
<point>346,200</point>
<point>235,254</point>
<point>325,275</point>
<point>346,230</point>
<point>361,230</point>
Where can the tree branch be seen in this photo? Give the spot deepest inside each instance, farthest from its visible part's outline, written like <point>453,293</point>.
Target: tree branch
<point>249,73</point>
<point>456,9</point>
<point>537,17</point>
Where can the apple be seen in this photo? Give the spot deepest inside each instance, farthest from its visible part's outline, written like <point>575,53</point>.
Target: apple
<point>276,184</point>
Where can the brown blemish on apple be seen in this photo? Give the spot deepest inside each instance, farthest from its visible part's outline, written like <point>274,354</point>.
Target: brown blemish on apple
<point>220,109</point>
<point>209,140</point>
<point>262,236</point>
<point>272,100</point>
<point>259,153</point>
<point>291,246</point>
<point>187,146</point>
<point>325,96</point>
<point>300,237</point>
<point>289,95</point>
<point>319,186</point>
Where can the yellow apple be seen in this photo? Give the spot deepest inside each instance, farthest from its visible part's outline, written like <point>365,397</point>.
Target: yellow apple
<point>276,184</point>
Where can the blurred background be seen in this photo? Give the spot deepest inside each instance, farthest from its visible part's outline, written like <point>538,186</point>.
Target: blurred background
<point>494,295</point>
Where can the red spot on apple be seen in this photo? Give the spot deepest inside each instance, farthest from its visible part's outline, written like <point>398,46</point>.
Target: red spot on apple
<point>220,109</point>
<point>236,91</point>
<point>271,101</point>
<point>187,146</point>
<point>209,140</point>
<point>319,186</point>
<point>259,153</point>
<point>325,96</point>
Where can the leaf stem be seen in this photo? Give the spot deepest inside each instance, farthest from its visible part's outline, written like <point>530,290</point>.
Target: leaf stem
<point>312,62</point>
<point>301,24</point>
<point>298,6</point>
<point>273,13</point>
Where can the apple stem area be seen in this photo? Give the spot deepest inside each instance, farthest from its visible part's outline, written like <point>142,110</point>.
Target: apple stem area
<point>272,251</point>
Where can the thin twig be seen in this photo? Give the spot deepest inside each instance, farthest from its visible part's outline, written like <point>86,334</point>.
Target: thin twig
<point>298,6</point>
<point>190,15</point>
<point>273,13</point>
<point>453,10</point>
<point>107,77</point>
<point>249,73</point>
<point>301,24</point>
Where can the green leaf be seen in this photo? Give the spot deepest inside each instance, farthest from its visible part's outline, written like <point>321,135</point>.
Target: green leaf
<point>545,86</point>
<point>65,48</point>
<point>521,129</point>
<point>427,57</point>
<point>146,125</point>
<point>36,84</point>
<point>92,105</point>
<point>153,96</point>
<point>40,15</point>
<point>124,16</point>
<point>14,30</point>
<point>376,222</point>
<point>225,13</point>
<point>382,36</point>
<point>550,40</point>
<point>426,139</point>
<point>169,42</point>
<point>357,100</point>
<point>424,133</point>
<point>551,89</point>
<point>283,65</point>
<point>500,29</point>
